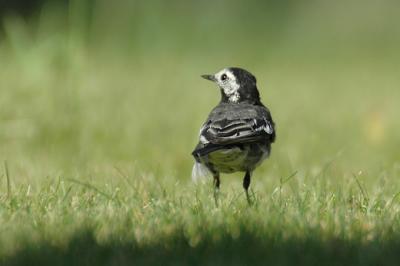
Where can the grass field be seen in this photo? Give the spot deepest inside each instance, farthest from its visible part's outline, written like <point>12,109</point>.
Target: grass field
<point>100,108</point>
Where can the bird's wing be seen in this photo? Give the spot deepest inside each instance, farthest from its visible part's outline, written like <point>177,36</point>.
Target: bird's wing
<point>230,131</point>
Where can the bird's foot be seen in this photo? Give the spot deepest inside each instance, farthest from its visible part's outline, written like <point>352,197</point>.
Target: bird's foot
<point>216,196</point>
<point>249,201</point>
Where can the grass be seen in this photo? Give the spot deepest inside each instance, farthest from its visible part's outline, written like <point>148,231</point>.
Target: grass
<point>99,116</point>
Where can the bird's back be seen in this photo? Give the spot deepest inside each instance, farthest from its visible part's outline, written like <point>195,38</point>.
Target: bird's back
<point>235,137</point>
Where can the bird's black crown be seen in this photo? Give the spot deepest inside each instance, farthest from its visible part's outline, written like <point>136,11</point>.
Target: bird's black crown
<point>237,85</point>
<point>247,85</point>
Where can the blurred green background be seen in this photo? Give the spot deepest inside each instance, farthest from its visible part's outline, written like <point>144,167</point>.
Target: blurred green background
<point>90,86</point>
<point>90,82</point>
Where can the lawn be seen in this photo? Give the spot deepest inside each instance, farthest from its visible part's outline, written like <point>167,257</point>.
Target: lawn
<point>100,107</point>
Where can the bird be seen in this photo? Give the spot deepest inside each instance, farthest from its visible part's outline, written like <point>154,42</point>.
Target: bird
<point>238,133</point>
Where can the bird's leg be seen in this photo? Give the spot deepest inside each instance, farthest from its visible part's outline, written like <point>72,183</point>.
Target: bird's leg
<point>246,184</point>
<point>216,188</point>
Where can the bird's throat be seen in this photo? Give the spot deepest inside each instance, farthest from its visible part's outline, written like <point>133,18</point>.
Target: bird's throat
<point>234,97</point>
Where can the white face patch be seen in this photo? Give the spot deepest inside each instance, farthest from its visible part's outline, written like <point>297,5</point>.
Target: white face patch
<point>228,83</point>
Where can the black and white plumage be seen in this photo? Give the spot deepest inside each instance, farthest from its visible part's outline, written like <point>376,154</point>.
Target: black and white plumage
<point>238,132</point>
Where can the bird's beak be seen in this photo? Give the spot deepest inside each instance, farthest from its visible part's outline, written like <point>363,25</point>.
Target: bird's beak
<point>209,77</point>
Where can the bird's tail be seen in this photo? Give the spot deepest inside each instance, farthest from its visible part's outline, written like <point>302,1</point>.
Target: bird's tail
<point>199,172</point>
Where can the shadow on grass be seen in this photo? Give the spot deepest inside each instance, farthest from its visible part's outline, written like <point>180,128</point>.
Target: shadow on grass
<point>245,250</point>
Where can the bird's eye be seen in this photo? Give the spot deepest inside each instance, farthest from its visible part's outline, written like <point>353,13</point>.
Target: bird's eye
<point>224,77</point>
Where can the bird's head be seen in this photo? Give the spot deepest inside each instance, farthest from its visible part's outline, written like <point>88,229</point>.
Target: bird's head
<point>237,85</point>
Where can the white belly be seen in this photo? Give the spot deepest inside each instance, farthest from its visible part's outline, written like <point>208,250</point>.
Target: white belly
<point>236,159</point>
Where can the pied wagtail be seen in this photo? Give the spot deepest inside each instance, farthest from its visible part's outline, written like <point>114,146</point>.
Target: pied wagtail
<point>238,132</point>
